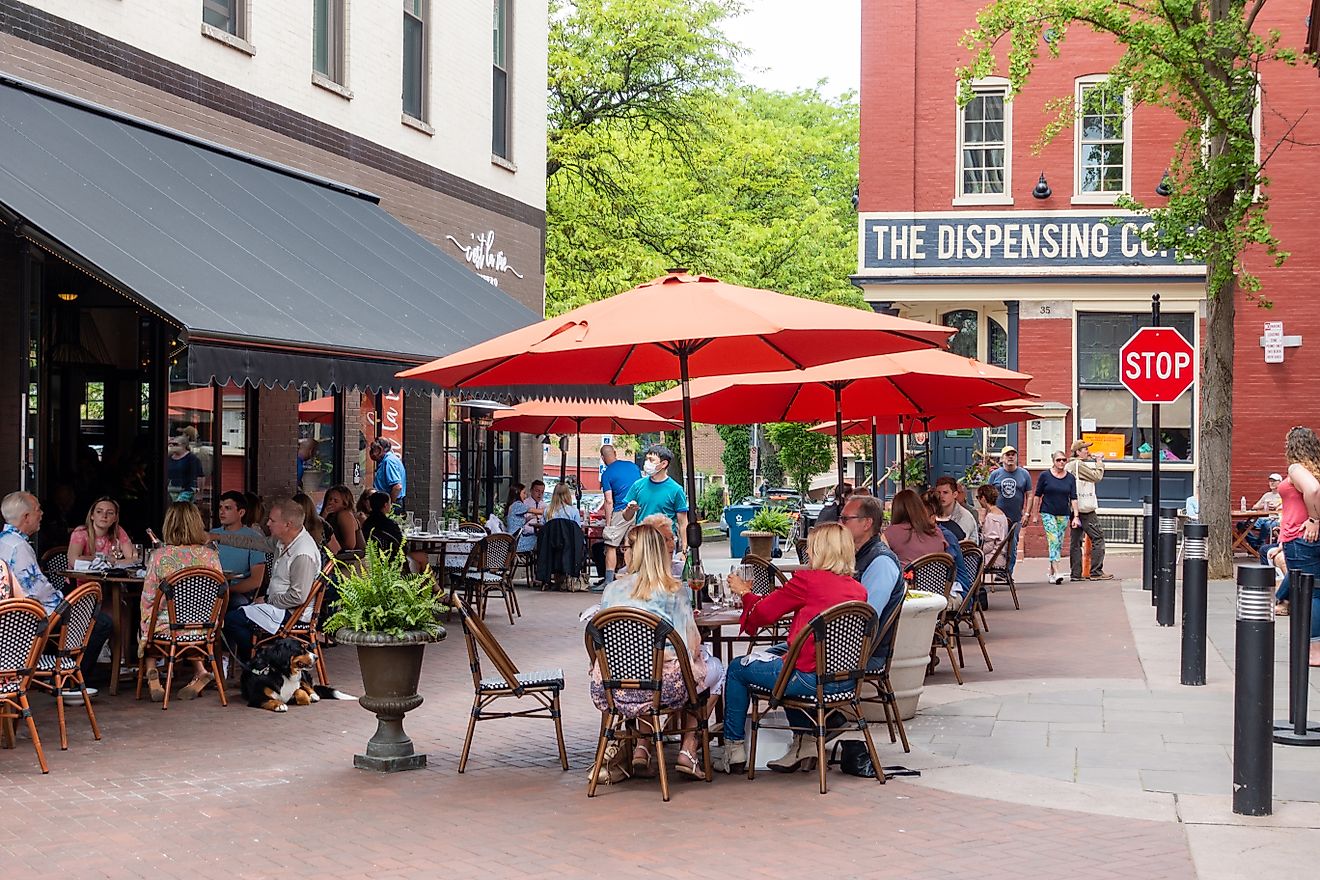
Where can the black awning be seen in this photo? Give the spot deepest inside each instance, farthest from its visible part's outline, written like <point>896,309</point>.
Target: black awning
<point>272,275</point>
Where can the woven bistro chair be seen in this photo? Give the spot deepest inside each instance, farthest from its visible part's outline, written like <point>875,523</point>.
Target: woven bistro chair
<point>800,546</point>
<point>473,528</point>
<point>301,624</point>
<point>935,573</point>
<point>766,578</point>
<point>71,626</point>
<point>22,636</point>
<point>194,603</point>
<point>877,676</point>
<point>628,646</point>
<point>844,636</point>
<point>543,686</point>
<point>996,571</point>
<point>54,563</point>
<point>489,571</point>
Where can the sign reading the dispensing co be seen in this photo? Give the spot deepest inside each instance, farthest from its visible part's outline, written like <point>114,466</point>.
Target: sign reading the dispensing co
<point>1157,365</point>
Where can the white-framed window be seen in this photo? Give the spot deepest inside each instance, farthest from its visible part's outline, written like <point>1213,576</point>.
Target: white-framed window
<point>229,16</point>
<point>501,94</point>
<point>1102,138</point>
<point>329,32</point>
<point>984,166</point>
<point>414,59</point>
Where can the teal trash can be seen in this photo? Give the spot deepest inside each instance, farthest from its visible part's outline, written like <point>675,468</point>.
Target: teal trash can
<point>737,517</point>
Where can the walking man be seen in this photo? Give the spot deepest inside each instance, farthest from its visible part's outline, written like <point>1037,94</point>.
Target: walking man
<point>390,477</point>
<point>1014,485</point>
<point>1088,471</point>
<point>658,493</point>
<point>617,478</point>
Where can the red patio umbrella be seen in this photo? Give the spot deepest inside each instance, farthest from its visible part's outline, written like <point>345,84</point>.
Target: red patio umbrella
<point>676,327</point>
<point>574,417</point>
<point>913,383</point>
<point>320,410</point>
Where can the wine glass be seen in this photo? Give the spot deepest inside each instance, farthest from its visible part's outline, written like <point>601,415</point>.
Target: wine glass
<point>716,587</point>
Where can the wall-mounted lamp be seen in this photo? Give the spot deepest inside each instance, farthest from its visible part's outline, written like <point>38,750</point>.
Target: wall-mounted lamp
<point>67,296</point>
<point>1163,188</point>
<point>1042,189</point>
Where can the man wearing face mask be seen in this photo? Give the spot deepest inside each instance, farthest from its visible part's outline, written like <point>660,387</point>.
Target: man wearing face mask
<point>658,493</point>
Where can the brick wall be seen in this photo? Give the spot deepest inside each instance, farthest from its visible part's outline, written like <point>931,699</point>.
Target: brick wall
<point>707,447</point>
<point>277,442</point>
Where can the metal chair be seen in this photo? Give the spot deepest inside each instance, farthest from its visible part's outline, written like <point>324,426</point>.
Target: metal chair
<point>877,675</point>
<point>22,635</point>
<point>543,686</point>
<point>194,603</point>
<point>628,646</point>
<point>71,623</point>
<point>844,636</point>
<point>996,571</point>
<point>302,622</point>
<point>935,573</point>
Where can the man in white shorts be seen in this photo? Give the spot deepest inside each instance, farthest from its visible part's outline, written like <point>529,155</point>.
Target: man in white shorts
<point>617,478</point>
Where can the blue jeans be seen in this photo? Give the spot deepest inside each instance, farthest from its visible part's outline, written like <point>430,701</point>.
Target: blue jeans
<point>1304,556</point>
<point>764,674</point>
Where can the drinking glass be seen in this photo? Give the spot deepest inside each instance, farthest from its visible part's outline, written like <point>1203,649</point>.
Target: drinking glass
<point>715,587</point>
<point>453,527</point>
<point>747,573</point>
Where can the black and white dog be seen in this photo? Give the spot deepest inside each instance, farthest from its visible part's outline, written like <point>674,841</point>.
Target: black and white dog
<point>280,675</point>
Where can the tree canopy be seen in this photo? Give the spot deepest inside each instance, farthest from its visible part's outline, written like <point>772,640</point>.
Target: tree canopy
<point>803,452</point>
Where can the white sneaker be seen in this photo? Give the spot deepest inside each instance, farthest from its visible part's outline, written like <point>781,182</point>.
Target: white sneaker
<point>1056,578</point>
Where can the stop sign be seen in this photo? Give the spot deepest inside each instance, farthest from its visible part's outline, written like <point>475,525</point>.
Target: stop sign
<point>1157,365</point>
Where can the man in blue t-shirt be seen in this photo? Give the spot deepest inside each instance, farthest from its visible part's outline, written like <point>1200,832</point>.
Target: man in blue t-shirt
<point>658,493</point>
<point>244,569</point>
<point>390,476</point>
<point>616,479</point>
<point>1014,485</point>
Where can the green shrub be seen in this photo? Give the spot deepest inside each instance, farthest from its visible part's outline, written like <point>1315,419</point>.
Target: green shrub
<point>381,598</point>
<point>771,519</point>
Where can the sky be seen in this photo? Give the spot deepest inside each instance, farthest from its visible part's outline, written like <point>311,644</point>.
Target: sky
<point>793,43</point>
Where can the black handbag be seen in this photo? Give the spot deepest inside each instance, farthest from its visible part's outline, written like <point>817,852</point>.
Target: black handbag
<point>855,760</point>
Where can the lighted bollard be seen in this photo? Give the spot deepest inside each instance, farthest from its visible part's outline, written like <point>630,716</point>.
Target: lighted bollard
<point>1297,730</point>
<point>1166,596</point>
<point>1195,586</point>
<point>1253,692</point>
<point>1148,548</point>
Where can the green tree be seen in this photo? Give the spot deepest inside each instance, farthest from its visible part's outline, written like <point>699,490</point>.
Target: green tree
<point>803,452</point>
<point>736,458</point>
<point>1202,60</point>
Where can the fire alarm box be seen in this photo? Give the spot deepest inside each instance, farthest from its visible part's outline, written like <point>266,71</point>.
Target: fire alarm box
<point>1044,438</point>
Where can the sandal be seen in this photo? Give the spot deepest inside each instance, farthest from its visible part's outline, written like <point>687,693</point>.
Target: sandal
<point>1281,610</point>
<point>641,761</point>
<point>192,689</point>
<point>690,768</point>
<point>154,686</point>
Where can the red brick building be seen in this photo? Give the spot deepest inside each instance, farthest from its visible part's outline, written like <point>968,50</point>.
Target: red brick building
<point>962,223</point>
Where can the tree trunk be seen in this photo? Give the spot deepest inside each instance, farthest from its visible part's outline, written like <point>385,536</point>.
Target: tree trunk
<point>1216,425</point>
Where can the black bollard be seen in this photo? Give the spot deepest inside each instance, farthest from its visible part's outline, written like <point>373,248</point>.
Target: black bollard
<point>1297,729</point>
<point>1253,692</point>
<point>1166,596</point>
<point>1148,549</point>
<point>1196,573</point>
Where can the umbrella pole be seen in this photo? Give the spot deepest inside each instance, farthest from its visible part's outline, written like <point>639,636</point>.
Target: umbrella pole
<point>838,436</point>
<point>689,462</point>
<point>875,462</point>
<point>902,454</point>
<point>578,490</point>
<point>925,424</point>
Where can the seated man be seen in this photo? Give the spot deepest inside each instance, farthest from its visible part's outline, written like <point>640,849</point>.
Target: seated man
<point>297,563</point>
<point>245,569</point>
<point>22,513</point>
<point>1265,525</point>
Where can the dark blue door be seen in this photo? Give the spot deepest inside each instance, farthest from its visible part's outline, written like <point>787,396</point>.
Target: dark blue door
<point>951,452</point>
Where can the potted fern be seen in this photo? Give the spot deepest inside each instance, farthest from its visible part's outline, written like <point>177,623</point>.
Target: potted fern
<point>766,529</point>
<point>390,616</point>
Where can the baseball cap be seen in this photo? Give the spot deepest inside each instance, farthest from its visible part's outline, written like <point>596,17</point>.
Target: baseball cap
<point>1078,445</point>
<point>1276,477</point>
<point>1008,449</point>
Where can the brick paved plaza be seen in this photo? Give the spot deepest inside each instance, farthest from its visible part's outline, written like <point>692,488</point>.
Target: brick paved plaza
<point>1077,757</point>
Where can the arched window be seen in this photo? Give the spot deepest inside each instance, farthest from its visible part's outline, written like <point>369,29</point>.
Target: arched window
<point>965,321</point>
<point>997,343</point>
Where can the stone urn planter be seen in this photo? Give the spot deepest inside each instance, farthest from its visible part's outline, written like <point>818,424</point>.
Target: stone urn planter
<point>907,668</point>
<point>760,544</point>
<point>391,668</point>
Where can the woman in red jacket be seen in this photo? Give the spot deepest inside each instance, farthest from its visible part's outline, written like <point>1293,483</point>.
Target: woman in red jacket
<point>828,582</point>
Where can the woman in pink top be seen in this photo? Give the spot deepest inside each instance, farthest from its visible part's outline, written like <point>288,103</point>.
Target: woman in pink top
<point>912,532</point>
<point>1299,520</point>
<point>102,534</point>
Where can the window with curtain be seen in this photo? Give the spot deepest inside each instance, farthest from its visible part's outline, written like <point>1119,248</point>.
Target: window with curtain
<point>1103,398</point>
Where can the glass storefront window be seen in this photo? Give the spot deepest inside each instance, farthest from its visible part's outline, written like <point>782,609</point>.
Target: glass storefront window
<point>191,461</point>
<point>317,458</point>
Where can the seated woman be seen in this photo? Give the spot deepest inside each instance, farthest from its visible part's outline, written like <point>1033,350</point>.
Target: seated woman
<point>9,585</point>
<point>379,526</point>
<point>649,586</point>
<point>102,534</point>
<point>515,518</point>
<point>563,505</point>
<point>994,523</point>
<point>828,582</point>
<point>346,532</point>
<point>912,532</point>
<point>184,546</point>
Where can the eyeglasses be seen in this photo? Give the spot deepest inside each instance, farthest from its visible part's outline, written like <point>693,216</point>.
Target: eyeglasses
<point>853,516</point>
<point>1057,460</point>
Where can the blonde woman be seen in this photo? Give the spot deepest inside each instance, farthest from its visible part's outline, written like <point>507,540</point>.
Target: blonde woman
<point>185,546</point>
<point>563,505</point>
<point>102,534</point>
<point>828,582</point>
<point>649,586</point>
<point>1299,519</point>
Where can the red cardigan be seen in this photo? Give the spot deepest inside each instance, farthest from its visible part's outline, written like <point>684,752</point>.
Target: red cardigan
<point>807,593</point>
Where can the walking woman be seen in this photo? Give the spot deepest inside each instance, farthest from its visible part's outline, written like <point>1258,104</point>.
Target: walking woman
<point>1055,505</point>
<point>1299,520</point>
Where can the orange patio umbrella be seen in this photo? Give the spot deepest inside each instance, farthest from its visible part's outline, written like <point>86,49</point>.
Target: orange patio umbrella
<point>910,384</point>
<point>320,410</point>
<point>676,327</point>
<point>574,417</point>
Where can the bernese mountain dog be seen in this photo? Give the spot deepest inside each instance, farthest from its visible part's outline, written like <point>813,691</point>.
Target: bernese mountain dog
<point>280,674</point>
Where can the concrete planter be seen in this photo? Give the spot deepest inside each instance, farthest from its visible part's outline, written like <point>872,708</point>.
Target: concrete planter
<point>391,668</point>
<point>907,669</point>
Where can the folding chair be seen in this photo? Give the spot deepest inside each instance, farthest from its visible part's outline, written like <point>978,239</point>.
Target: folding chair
<point>71,622</point>
<point>194,603</point>
<point>844,636</point>
<point>543,686</point>
<point>22,636</point>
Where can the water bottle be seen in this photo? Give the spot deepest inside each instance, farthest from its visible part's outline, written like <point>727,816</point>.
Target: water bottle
<point>1242,503</point>
<point>432,524</point>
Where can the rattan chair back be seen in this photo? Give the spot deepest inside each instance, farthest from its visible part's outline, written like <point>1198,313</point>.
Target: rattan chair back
<point>932,573</point>
<point>23,633</point>
<point>480,641</point>
<point>54,562</point>
<point>628,645</point>
<point>766,576</point>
